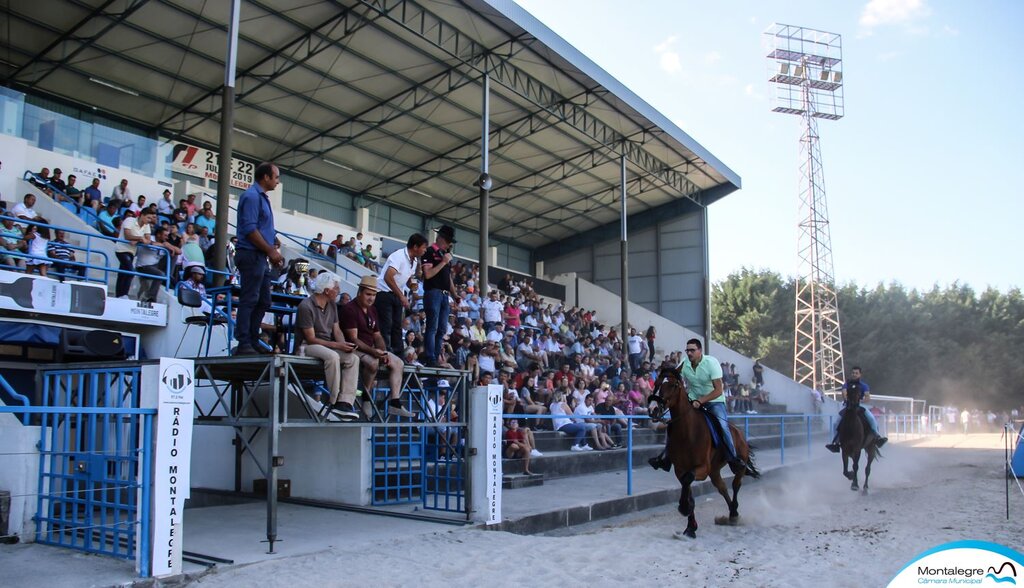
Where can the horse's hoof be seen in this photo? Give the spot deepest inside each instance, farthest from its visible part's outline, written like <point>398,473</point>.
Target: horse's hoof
<point>864,491</point>
<point>854,487</point>
<point>691,533</point>
<point>728,521</point>
<point>849,475</point>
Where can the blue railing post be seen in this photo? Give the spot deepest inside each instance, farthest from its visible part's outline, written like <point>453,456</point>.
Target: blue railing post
<point>629,456</point>
<point>146,455</point>
<point>782,439</point>
<point>807,418</point>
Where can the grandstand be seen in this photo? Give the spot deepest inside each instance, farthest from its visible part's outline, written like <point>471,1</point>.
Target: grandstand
<point>373,113</point>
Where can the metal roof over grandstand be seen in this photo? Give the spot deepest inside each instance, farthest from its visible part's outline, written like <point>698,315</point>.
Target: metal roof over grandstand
<point>380,97</point>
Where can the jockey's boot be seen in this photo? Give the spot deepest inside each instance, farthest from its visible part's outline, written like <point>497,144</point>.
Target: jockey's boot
<point>834,445</point>
<point>661,461</point>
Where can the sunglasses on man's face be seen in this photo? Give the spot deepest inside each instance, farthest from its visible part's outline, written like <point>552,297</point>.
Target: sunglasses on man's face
<point>691,351</point>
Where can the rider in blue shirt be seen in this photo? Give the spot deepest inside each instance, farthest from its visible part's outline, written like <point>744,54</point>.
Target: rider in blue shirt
<point>855,383</point>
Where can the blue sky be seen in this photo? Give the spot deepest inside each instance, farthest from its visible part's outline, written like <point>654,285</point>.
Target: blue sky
<point>922,173</point>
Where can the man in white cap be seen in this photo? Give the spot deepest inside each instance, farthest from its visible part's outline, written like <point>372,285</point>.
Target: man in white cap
<point>320,336</point>
<point>359,324</point>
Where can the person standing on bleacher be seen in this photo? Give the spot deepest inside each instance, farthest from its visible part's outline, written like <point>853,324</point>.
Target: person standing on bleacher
<point>256,236</point>
<point>392,280</point>
<point>437,285</point>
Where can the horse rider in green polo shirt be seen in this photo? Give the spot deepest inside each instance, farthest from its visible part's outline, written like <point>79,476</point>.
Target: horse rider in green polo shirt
<point>703,376</point>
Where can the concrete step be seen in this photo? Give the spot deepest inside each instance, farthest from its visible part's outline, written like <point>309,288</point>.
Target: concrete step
<point>513,481</point>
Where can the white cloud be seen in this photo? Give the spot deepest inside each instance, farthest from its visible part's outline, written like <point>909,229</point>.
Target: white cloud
<point>668,60</point>
<point>712,57</point>
<point>890,12</point>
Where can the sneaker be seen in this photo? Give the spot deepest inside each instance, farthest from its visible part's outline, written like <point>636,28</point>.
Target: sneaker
<point>344,411</point>
<point>587,448</point>
<point>577,448</point>
<point>535,453</point>
<point>395,408</point>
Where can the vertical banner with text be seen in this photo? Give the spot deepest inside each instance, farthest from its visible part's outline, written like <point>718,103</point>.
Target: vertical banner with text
<point>172,458</point>
<point>494,454</point>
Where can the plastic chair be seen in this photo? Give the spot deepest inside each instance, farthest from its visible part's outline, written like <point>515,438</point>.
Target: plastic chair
<point>191,299</point>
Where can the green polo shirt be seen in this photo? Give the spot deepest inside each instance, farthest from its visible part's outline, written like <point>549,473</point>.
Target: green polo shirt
<point>700,381</point>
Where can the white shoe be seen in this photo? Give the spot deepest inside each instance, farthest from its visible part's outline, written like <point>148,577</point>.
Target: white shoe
<point>577,448</point>
<point>535,453</point>
<point>587,448</point>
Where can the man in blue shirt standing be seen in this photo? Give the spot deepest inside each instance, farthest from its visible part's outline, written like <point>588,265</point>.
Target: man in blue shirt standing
<point>255,247</point>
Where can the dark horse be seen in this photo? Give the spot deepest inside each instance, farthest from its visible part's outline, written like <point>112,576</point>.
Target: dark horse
<point>855,436</point>
<point>692,453</point>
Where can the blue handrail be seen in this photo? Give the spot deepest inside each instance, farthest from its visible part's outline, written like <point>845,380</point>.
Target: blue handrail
<point>106,268</point>
<point>85,213</point>
<point>304,243</point>
<point>19,397</point>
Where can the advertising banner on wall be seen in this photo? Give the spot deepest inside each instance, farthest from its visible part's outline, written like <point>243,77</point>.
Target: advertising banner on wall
<point>78,299</point>
<point>202,163</point>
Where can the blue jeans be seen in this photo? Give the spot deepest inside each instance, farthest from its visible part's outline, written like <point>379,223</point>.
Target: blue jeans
<point>867,413</point>
<point>435,302</point>
<point>576,429</point>
<point>254,300</point>
<point>717,409</point>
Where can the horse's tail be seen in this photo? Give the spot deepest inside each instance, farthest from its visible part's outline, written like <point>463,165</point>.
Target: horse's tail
<point>752,470</point>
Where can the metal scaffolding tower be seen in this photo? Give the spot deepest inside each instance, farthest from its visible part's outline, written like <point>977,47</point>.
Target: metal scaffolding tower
<point>805,71</point>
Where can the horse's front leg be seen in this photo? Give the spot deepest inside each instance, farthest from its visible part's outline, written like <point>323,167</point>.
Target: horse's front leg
<point>846,468</point>
<point>856,466</point>
<point>686,505</point>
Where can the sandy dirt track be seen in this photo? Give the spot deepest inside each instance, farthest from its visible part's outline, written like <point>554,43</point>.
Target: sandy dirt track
<point>803,527</point>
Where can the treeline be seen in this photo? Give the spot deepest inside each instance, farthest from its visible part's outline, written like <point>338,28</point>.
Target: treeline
<point>946,345</point>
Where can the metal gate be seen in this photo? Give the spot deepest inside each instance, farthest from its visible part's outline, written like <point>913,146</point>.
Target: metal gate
<point>423,461</point>
<point>93,463</point>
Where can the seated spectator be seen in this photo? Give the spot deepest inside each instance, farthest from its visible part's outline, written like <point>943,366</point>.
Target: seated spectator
<point>205,240</point>
<point>359,324</point>
<point>36,241</point>
<point>320,336</point>
<point>24,209</point>
<point>57,182</point>
<point>91,196</point>
<point>442,411</point>
<point>564,424</point>
<point>121,192</point>
<point>190,207</point>
<point>316,245</point>
<point>60,251</point>
<point>165,206</point>
<point>371,259</point>
<point>106,218</point>
<point>517,446</point>
<point>338,242</point>
<point>612,427</point>
<point>190,235</point>
<point>72,191</point>
<point>600,439</point>
<point>180,216</point>
<point>195,275</point>
<point>41,180</point>
<point>11,240</point>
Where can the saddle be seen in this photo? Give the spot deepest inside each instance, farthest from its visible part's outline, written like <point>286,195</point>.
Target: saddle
<point>715,426</point>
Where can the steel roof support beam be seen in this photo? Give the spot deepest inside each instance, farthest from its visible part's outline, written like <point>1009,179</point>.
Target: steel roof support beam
<point>343,19</point>
<point>448,38</point>
<point>83,43</point>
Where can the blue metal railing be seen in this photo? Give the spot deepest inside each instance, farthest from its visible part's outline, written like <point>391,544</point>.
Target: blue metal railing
<point>304,243</point>
<point>85,213</point>
<point>91,462</point>
<point>89,249</point>
<point>15,396</point>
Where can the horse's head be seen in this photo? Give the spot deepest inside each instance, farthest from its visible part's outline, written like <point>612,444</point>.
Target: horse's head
<point>854,393</point>
<point>668,389</point>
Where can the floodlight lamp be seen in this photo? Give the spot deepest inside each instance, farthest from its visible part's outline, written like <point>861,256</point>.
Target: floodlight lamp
<point>837,76</point>
<point>484,181</point>
<point>799,72</point>
<point>824,75</point>
<point>784,69</point>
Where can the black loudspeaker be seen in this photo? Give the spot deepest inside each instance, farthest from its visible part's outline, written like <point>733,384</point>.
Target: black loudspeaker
<point>95,345</point>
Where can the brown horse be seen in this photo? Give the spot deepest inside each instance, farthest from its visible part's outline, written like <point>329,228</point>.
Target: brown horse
<point>855,436</point>
<point>692,453</point>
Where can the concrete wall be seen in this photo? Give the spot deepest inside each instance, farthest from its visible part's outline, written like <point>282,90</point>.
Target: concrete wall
<point>666,269</point>
<point>19,473</point>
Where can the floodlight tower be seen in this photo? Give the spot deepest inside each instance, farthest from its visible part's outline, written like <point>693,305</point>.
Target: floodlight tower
<point>805,71</point>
